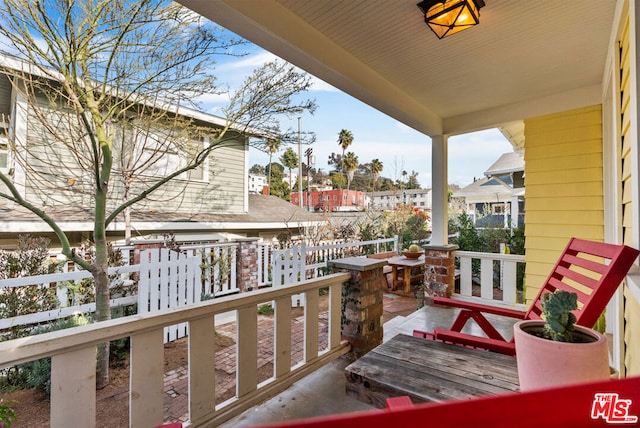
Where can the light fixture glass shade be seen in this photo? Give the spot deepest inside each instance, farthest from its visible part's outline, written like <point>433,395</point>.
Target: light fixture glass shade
<point>447,17</point>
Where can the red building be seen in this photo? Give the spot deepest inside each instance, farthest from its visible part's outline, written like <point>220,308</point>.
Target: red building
<point>332,200</point>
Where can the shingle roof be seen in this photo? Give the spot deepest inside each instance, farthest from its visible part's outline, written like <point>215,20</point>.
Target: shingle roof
<point>263,210</point>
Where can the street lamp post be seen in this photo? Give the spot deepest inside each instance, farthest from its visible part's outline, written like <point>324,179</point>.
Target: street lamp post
<point>299,165</point>
<point>309,152</point>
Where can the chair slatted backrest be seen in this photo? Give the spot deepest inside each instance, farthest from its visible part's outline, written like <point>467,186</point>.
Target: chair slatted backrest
<point>592,270</point>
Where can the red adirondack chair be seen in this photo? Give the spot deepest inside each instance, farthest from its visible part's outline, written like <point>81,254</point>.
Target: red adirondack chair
<point>597,267</point>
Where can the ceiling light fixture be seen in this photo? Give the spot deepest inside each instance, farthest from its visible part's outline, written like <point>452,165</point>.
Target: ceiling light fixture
<point>447,17</point>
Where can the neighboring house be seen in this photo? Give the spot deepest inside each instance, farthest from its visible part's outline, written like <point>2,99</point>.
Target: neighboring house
<point>290,180</point>
<point>257,183</point>
<point>212,199</point>
<point>331,200</point>
<point>392,199</point>
<point>498,198</point>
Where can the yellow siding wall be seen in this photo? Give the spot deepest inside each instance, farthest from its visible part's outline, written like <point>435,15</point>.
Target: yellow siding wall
<point>563,178</point>
<point>626,177</point>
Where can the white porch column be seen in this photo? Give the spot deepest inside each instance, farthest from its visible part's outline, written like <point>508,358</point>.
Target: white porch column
<point>514,212</point>
<point>440,188</point>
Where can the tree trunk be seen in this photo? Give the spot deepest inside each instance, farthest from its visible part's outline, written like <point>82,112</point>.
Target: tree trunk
<point>101,278</point>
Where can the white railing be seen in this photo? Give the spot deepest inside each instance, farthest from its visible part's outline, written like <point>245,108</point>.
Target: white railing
<point>302,262</point>
<point>59,280</point>
<point>73,355</point>
<point>489,271</point>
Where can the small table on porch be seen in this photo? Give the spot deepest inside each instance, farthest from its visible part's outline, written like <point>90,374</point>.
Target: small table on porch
<point>412,269</point>
<point>428,371</point>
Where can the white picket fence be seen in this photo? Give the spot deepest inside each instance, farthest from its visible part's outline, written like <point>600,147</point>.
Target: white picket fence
<point>300,262</point>
<point>169,279</point>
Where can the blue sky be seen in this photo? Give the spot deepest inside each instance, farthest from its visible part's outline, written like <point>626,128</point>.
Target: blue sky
<point>375,134</point>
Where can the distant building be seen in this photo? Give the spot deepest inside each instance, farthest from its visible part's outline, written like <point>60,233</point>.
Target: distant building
<point>257,183</point>
<point>392,199</point>
<point>498,198</point>
<point>331,200</point>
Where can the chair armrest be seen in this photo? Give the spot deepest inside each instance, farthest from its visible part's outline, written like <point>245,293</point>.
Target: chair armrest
<point>511,313</point>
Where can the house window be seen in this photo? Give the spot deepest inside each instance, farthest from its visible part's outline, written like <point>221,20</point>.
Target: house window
<point>335,197</point>
<point>497,208</point>
<point>195,147</point>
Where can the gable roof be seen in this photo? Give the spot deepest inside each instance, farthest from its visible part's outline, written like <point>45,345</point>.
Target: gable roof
<point>506,164</point>
<point>489,186</point>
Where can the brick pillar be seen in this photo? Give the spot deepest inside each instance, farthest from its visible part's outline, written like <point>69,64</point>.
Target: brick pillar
<point>440,267</point>
<point>247,264</point>
<point>361,303</point>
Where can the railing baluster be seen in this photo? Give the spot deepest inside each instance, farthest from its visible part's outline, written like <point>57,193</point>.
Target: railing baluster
<point>247,346</point>
<point>202,381</point>
<point>311,325</point>
<point>335,315</point>
<point>486,279</point>
<point>73,389</point>
<point>282,339</point>
<point>146,396</point>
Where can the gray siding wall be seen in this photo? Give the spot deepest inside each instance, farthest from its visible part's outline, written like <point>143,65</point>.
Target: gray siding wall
<point>56,180</point>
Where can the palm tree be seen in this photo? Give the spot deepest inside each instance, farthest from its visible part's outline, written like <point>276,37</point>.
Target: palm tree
<point>350,164</point>
<point>290,160</point>
<point>345,138</point>
<point>376,169</point>
<point>273,146</point>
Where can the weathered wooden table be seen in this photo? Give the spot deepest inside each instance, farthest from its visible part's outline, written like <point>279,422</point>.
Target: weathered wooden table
<point>428,371</point>
<point>410,268</point>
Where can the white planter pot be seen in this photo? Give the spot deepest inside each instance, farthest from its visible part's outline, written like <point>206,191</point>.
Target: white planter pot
<point>544,363</point>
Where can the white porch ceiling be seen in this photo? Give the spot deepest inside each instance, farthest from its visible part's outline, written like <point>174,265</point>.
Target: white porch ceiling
<point>526,58</point>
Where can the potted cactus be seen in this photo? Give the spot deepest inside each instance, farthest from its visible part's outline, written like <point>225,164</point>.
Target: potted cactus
<point>556,352</point>
<point>413,252</point>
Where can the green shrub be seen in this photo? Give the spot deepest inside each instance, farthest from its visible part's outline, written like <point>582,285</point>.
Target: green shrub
<point>31,257</point>
<point>265,309</point>
<point>7,415</point>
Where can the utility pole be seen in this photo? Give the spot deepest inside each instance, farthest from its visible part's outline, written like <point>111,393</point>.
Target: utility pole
<point>299,165</point>
<point>309,152</point>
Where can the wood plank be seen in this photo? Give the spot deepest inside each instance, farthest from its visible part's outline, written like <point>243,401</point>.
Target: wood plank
<point>146,382</point>
<point>202,394</point>
<point>429,371</point>
<point>247,350</point>
<point>73,388</point>
<point>311,325</point>
<point>282,340</point>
